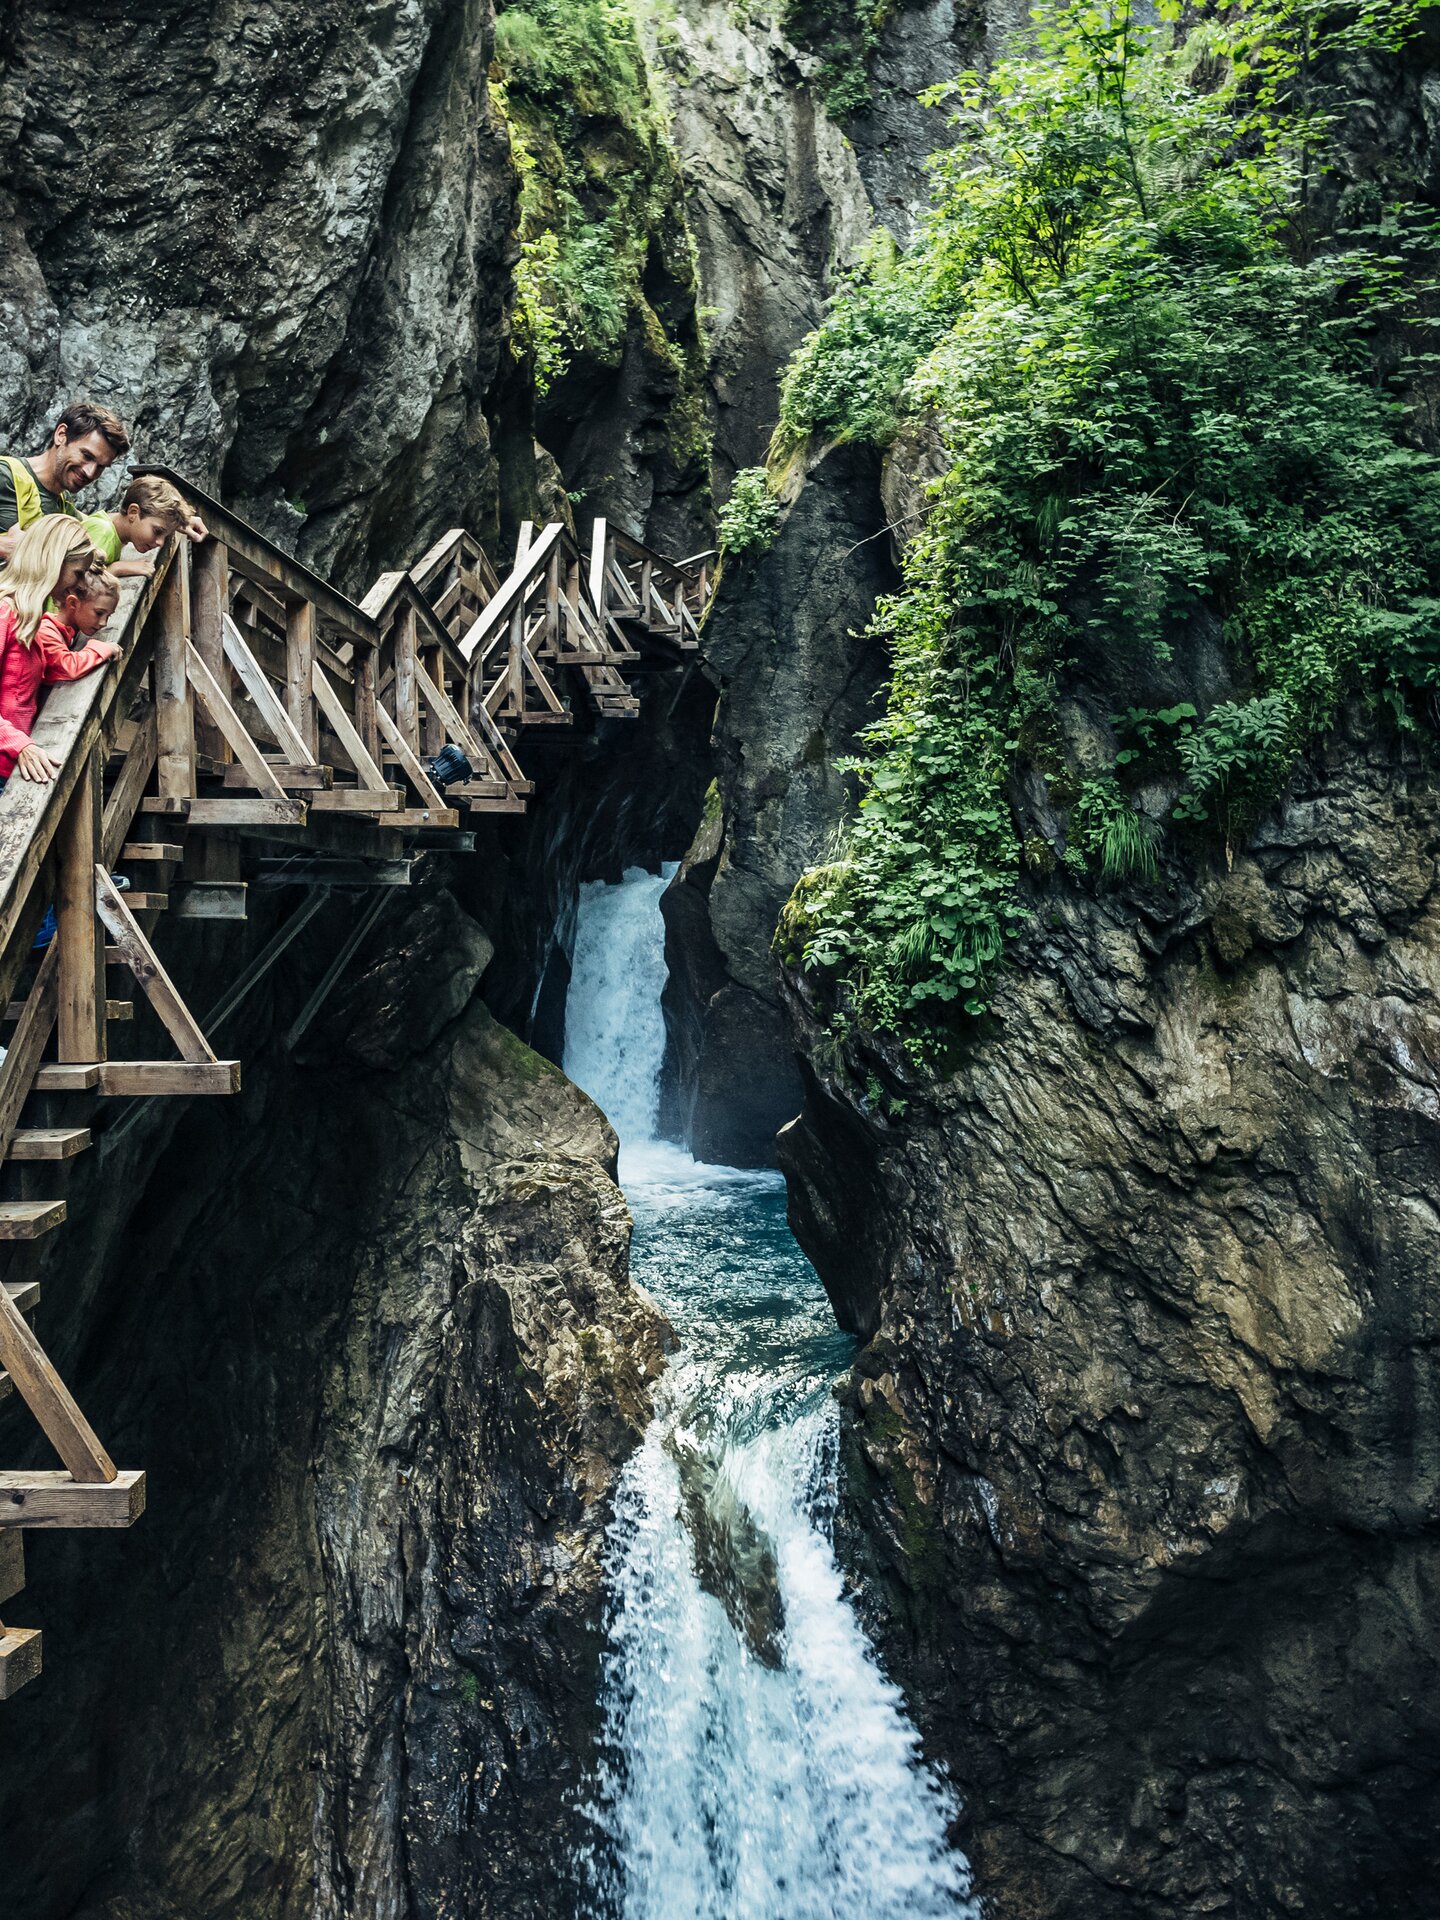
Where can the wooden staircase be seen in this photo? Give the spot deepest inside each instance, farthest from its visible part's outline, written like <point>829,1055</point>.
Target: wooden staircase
<point>253,702</point>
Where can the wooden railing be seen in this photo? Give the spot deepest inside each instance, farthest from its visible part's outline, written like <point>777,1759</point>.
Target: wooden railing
<point>251,698</point>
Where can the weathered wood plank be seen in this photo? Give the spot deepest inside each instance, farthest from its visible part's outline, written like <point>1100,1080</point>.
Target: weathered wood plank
<point>351,744</point>
<point>48,1143</point>
<point>300,676</point>
<point>212,696</point>
<point>174,717</point>
<point>209,609</point>
<point>30,1498</point>
<point>239,812</point>
<point>143,1078</point>
<point>30,1219</point>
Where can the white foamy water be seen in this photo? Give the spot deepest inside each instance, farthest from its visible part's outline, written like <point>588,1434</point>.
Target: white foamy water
<point>755,1764</point>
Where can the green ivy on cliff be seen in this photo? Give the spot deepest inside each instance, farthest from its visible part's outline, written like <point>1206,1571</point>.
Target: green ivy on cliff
<point>1161,399</point>
<point>601,206</point>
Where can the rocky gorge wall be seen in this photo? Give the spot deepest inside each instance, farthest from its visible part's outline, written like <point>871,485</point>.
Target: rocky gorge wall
<point>1140,1491</point>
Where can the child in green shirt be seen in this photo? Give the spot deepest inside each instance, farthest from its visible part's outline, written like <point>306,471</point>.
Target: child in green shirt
<point>151,511</point>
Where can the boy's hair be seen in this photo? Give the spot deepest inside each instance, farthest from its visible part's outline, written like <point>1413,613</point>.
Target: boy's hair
<point>38,564</point>
<point>157,500</point>
<point>83,416</point>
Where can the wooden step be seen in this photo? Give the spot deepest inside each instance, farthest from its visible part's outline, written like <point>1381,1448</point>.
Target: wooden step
<point>32,1498</point>
<point>24,1294</point>
<point>53,1078</point>
<point>19,1659</point>
<point>141,1077</point>
<point>49,1143</point>
<point>29,1219</point>
<point>12,1564</point>
<point>151,850</point>
<point>147,902</point>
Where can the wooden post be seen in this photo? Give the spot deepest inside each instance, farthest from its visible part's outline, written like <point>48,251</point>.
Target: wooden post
<point>366,724</point>
<point>300,674</point>
<point>407,714</point>
<point>79,934</point>
<point>434,663</point>
<point>209,602</point>
<point>173,716</point>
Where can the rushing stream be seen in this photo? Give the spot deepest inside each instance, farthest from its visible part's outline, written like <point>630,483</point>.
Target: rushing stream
<point>755,1764</point>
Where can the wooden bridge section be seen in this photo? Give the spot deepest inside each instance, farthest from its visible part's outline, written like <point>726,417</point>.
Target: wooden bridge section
<point>252,702</point>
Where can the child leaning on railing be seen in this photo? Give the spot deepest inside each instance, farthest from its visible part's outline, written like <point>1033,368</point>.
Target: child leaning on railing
<point>54,590</point>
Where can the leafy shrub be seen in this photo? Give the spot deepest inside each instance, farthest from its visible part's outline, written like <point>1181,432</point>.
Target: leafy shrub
<point>1160,398</point>
<point>750,517</point>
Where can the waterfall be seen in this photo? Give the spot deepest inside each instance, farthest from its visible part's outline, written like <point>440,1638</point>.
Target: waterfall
<point>755,1762</point>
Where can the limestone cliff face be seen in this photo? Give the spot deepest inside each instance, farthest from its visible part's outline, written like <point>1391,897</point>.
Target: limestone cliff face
<point>276,239</point>
<point>370,1329</point>
<point>1141,1454</point>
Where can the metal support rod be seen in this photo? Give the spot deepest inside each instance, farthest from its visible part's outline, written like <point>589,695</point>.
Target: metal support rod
<point>337,966</point>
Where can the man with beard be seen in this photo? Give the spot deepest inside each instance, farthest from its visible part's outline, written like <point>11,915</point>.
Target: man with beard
<point>83,443</point>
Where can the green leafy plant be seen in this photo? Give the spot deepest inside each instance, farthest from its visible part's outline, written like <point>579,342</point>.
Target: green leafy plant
<point>750,517</point>
<point>1163,401</point>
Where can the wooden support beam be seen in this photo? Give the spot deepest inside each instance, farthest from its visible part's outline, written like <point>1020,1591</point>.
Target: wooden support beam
<point>150,975</point>
<point>366,724</point>
<point>351,743</point>
<point>49,1399</point>
<point>240,812</point>
<point>300,676</point>
<point>358,800</point>
<point>78,934</point>
<point>173,715</point>
<point>407,712</point>
<point>25,1294</point>
<point>268,704</point>
<point>426,788</point>
<point>213,698</point>
<point>209,610</point>
<point>29,1498</point>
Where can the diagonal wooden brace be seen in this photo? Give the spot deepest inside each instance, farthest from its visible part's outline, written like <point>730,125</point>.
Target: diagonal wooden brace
<point>143,961</point>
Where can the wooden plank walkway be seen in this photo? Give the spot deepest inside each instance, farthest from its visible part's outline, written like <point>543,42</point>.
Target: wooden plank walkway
<point>250,697</point>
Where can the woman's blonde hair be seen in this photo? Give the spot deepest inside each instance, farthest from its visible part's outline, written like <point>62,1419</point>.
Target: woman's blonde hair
<point>44,553</point>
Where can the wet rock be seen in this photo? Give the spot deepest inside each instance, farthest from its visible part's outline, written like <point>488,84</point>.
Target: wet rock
<point>734,1561</point>
<point>1142,1482</point>
<point>792,702</point>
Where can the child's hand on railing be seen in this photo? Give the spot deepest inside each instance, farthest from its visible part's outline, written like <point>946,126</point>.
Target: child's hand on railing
<point>107,649</point>
<point>33,763</point>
